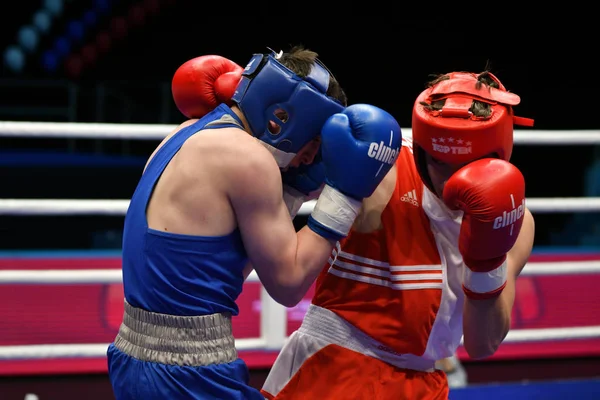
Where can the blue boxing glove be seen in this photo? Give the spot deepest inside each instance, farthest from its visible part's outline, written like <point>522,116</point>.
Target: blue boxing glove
<point>359,146</point>
<point>302,184</point>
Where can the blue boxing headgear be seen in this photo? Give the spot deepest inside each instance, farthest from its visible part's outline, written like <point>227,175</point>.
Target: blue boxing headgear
<point>267,86</point>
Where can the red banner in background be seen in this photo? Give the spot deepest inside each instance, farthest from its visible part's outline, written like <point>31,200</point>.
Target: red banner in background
<point>70,314</point>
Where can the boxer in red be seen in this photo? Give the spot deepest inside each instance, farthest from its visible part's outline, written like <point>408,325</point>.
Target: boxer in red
<point>433,255</point>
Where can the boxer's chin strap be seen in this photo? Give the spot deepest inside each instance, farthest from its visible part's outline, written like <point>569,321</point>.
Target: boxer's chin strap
<point>282,158</point>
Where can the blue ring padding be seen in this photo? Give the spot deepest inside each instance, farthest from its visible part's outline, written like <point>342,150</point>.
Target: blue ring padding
<point>584,389</point>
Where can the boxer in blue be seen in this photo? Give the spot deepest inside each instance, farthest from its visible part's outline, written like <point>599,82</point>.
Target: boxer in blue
<point>215,201</point>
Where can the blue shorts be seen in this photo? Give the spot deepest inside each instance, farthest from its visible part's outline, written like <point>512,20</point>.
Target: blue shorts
<point>141,380</point>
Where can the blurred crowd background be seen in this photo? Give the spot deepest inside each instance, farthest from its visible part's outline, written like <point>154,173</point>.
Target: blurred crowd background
<point>111,61</point>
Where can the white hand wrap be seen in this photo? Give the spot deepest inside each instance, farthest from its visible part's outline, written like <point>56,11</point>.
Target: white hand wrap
<point>293,200</point>
<point>335,212</point>
<point>483,285</point>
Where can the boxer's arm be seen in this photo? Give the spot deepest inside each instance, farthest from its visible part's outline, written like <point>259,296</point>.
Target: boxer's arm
<point>487,322</point>
<point>286,262</point>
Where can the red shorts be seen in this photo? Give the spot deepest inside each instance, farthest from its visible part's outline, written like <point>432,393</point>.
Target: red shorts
<point>334,372</point>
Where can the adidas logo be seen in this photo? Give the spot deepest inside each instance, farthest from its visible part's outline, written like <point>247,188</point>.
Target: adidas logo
<point>410,197</point>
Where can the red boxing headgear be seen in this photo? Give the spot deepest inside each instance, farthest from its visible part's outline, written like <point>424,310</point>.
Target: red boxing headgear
<point>453,134</point>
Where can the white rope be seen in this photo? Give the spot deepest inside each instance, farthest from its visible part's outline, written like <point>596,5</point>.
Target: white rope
<point>551,334</point>
<point>58,277</point>
<point>70,277</point>
<point>119,207</point>
<point>107,276</point>
<point>535,205</point>
<point>84,130</point>
<point>562,137</point>
<point>564,204</point>
<point>63,207</point>
<point>48,351</point>
<point>45,351</point>
<point>561,268</point>
<point>159,131</point>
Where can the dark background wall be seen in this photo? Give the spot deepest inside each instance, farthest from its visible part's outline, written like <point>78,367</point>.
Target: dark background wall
<point>117,68</point>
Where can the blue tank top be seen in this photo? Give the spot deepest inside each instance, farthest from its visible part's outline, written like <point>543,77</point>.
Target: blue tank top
<point>180,274</point>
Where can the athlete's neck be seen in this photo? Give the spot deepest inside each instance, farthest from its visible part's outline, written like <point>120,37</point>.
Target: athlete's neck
<point>236,110</point>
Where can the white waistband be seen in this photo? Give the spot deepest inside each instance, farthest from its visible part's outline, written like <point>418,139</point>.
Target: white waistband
<point>327,326</point>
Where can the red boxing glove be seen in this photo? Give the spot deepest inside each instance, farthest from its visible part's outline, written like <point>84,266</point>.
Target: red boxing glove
<point>202,83</point>
<point>491,193</point>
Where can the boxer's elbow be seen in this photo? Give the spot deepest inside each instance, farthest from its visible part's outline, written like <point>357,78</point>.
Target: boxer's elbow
<point>487,322</point>
<point>480,353</point>
<point>285,294</point>
<point>290,300</point>
<point>478,350</point>
<point>285,288</point>
<point>281,280</point>
<point>483,337</point>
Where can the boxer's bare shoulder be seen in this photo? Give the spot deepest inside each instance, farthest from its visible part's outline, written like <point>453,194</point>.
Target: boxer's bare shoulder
<point>229,161</point>
<point>204,172</point>
<point>227,149</point>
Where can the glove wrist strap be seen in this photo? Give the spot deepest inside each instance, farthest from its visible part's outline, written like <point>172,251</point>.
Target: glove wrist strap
<point>334,214</point>
<point>485,285</point>
<point>293,200</point>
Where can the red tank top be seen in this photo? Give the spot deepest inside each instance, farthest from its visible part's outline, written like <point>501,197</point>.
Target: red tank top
<point>392,283</point>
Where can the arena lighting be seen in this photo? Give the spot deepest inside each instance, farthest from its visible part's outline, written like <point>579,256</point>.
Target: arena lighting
<point>76,30</point>
<point>53,57</point>
<point>103,6</point>
<point>14,58</point>
<point>151,6</point>
<point>62,46</point>
<point>89,54</point>
<point>90,18</point>
<point>74,35</point>
<point>118,27</point>
<point>50,60</point>
<point>103,42</point>
<point>42,20</point>
<point>74,65</point>
<point>28,38</point>
<point>55,7</point>
<point>136,15</point>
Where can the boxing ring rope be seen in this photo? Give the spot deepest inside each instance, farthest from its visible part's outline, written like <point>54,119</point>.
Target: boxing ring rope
<point>110,276</point>
<point>273,319</point>
<point>119,207</point>
<point>85,130</point>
